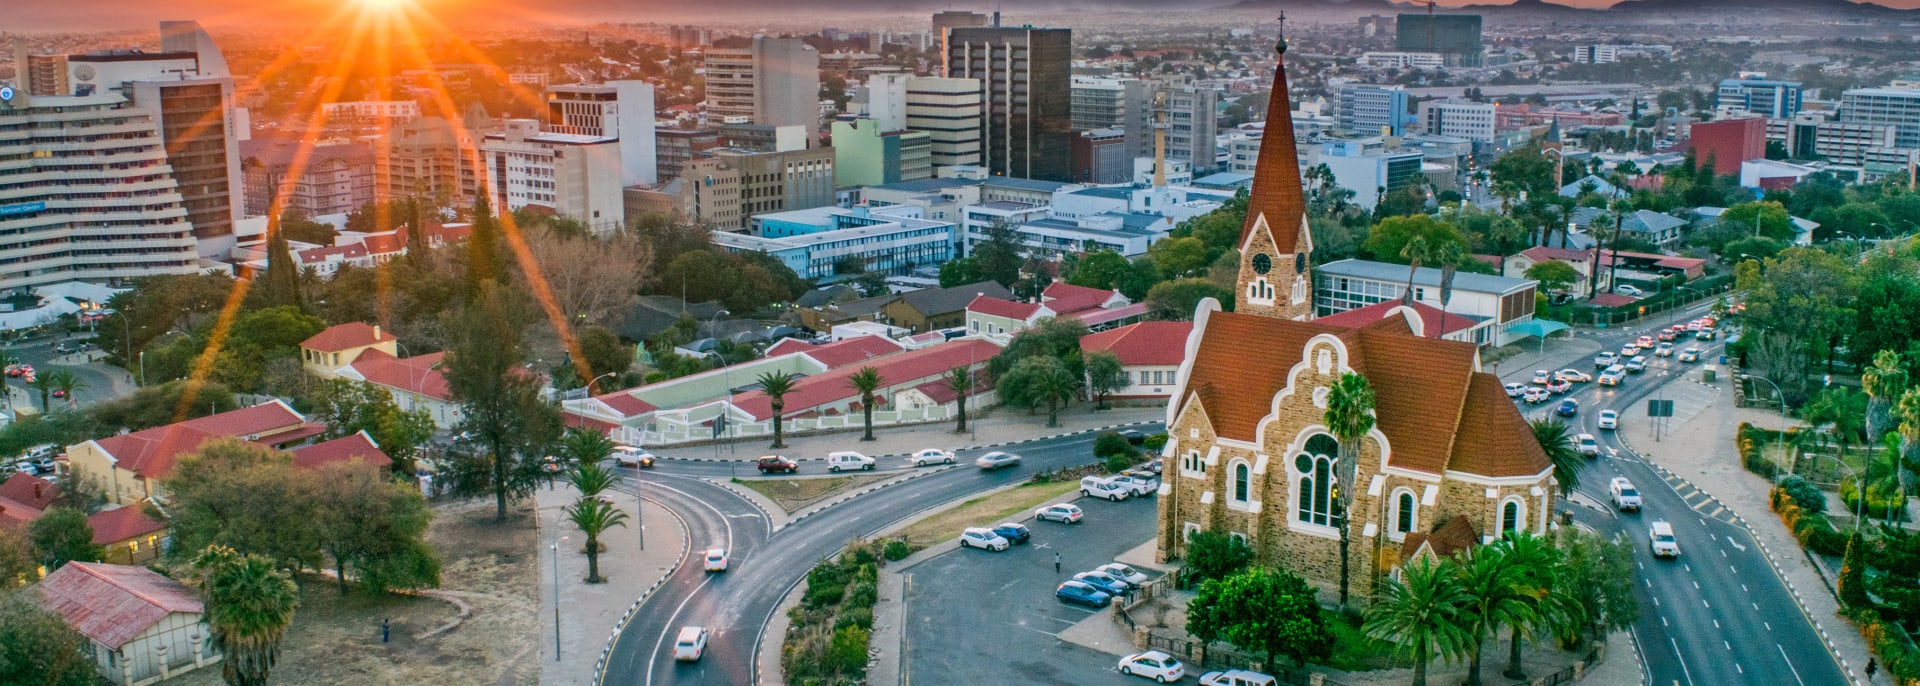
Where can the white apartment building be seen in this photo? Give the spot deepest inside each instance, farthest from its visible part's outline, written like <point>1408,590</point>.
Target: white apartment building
<point>371,110</point>
<point>576,176</point>
<point>621,110</point>
<point>1125,104</point>
<point>1404,60</point>
<point>86,193</point>
<point>1596,54</point>
<point>1192,126</point>
<point>774,82</point>
<point>1896,107</point>
<point>1458,118</point>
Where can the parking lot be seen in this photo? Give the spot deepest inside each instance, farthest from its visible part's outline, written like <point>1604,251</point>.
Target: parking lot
<point>977,617</point>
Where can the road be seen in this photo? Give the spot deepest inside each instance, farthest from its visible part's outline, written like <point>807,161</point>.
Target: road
<point>100,382</point>
<point>766,564</point>
<point>1718,614</point>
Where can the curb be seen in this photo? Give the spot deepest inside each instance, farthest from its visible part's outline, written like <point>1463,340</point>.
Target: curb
<point>686,543</point>
<point>1109,427</point>
<point>817,508</point>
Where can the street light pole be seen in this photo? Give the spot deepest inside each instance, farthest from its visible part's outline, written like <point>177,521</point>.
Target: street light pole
<point>556,599</point>
<point>1779,437</point>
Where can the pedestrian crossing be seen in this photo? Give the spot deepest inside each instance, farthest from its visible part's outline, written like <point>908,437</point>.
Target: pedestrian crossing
<point>1695,498</point>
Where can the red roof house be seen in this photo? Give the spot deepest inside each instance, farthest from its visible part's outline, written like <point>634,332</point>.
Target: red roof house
<point>339,345</point>
<point>127,535</point>
<point>1150,354</point>
<point>133,616</point>
<point>129,466</point>
<point>830,393</point>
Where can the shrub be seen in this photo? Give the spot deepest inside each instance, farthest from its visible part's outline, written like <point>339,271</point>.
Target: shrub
<point>1119,463</point>
<point>1898,654</point>
<point>1109,443</point>
<point>863,595</point>
<point>860,553</point>
<point>847,652</point>
<point>1804,494</point>
<point>826,585</point>
<point>1883,499</point>
<point>1812,529</point>
<point>1156,442</point>
<point>896,550</point>
<point>1750,439</point>
<point>860,616</point>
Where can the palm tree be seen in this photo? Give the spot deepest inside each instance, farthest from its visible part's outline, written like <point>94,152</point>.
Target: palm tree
<point>44,384</point>
<point>866,382</point>
<point>1052,384</point>
<point>1556,439</point>
<point>1538,561</point>
<point>248,606</point>
<point>585,446</point>
<point>1420,615</point>
<point>777,385</point>
<point>1416,250</point>
<point>590,479</point>
<point>1349,416</point>
<point>594,516</point>
<point>63,380</point>
<point>1498,595</point>
<point>1885,381</point>
<point>960,380</point>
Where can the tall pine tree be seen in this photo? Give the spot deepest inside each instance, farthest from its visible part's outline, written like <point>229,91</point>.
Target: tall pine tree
<point>484,261</point>
<point>282,281</point>
<point>417,232</point>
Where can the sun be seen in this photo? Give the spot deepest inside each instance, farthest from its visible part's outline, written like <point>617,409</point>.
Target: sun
<point>386,5</point>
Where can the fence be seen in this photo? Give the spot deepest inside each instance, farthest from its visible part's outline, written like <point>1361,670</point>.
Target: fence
<point>1651,306</point>
<point>1573,671</point>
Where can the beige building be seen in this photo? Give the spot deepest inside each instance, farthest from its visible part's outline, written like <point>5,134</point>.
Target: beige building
<point>339,345</point>
<point>430,157</point>
<point>1248,451</point>
<point>130,467</point>
<point>141,627</point>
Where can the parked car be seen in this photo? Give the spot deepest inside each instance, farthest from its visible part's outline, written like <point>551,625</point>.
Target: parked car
<point>1567,408</point>
<point>1587,445</point>
<point>1636,365</point>
<point>43,465</point>
<point>1535,396</point>
<point>716,559</point>
<point>931,456</point>
<point>1105,582</point>
<point>984,539</point>
<point>1236,677</point>
<point>631,456</point>
<point>1015,532</point>
<point>1663,350</point>
<point>1625,289</point>
<point>1138,484</point>
<point>1609,419</point>
<point>1104,487</point>
<point>1127,574</point>
<point>777,464</point>
<point>1154,665</point>
<point>1082,593</point>
<point>1690,355</point>
<point>691,643</point>
<point>1063,513</point>
<point>1625,496</point>
<point>1573,376</point>
<point>996,460</point>
<point>848,461</point>
<point>1660,537</point>
<point>1515,389</point>
<point>1605,360</point>
<point>1541,377</point>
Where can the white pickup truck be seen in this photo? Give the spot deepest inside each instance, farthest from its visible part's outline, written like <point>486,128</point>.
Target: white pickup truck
<point>1625,496</point>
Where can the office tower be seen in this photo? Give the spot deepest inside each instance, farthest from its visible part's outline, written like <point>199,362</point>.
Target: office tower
<point>334,179</point>
<point>87,194</point>
<point>1372,110</point>
<point>618,109</point>
<point>868,154</point>
<point>1192,126</point>
<point>1729,143</point>
<point>576,176</point>
<point>1771,99</point>
<point>954,19</point>
<point>952,112</point>
<point>1025,74</point>
<point>1123,104</point>
<point>1891,106</point>
<point>885,97</point>
<point>677,147</point>
<point>430,158</point>
<point>1456,36</point>
<point>1370,173</point>
<point>44,74</point>
<point>1596,54</point>
<point>775,82</point>
<point>1101,156</point>
<point>1458,118</point>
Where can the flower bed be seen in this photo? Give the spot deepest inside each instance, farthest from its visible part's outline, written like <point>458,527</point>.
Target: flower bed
<point>826,644</point>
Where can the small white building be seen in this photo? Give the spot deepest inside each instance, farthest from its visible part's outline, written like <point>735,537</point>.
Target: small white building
<point>141,627</point>
<point>1150,354</point>
<point>574,175</point>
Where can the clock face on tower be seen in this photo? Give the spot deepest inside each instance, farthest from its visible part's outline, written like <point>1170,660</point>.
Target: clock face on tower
<point>1262,264</point>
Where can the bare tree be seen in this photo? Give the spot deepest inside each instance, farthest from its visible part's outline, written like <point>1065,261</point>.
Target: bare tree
<point>592,277</point>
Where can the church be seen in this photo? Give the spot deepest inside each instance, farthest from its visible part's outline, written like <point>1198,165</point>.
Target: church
<point>1450,462</point>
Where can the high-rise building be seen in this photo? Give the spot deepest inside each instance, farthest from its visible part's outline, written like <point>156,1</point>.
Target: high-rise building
<point>1596,54</point>
<point>1192,126</point>
<point>885,100</point>
<point>774,81</point>
<point>725,187</point>
<point>87,193</point>
<point>1369,171</point>
<point>1771,99</point>
<point>1729,143</point>
<point>576,176</point>
<point>952,112</point>
<point>430,158</point>
<point>1457,36</point>
<point>1458,118</point>
<point>1123,104</point>
<point>1025,73</point>
<point>1870,146</point>
<point>1101,156</point>
<point>1891,106</point>
<point>1372,110</point>
<point>334,179</point>
<point>867,154</point>
<point>677,147</point>
<point>616,109</point>
<point>953,19</point>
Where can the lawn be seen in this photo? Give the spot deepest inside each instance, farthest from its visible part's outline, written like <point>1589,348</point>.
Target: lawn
<point>793,493</point>
<point>1010,504</point>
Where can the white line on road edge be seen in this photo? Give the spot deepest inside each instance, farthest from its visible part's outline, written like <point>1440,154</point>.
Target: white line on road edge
<point>686,542</point>
<point>1796,672</point>
<point>1683,661</point>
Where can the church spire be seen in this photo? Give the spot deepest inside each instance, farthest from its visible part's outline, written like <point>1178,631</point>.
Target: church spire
<point>1274,241</point>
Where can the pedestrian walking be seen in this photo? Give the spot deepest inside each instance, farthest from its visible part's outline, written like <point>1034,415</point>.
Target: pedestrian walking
<point>1872,667</point>
<point>1056,562</point>
<point>386,629</point>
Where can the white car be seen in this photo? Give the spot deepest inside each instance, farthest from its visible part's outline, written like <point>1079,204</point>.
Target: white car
<point>1637,364</point>
<point>1609,419</point>
<point>1104,487</point>
<point>1660,536</point>
<point>1605,360</point>
<point>848,461</point>
<point>1236,677</point>
<point>1125,573</point>
<point>996,460</point>
<point>1690,355</point>
<point>1613,375</point>
<point>1586,444</point>
<point>690,644</point>
<point>1572,376</point>
<point>931,456</point>
<point>984,539</point>
<point>1154,665</point>
<point>1138,484</point>
<point>1063,513</point>
<point>632,456</point>
<point>1625,496</point>
<point>1663,350</point>
<point>1536,395</point>
<point>1624,289</point>
<point>1629,350</point>
<point>1515,389</point>
<point>1541,377</point>
<point>716,559</point>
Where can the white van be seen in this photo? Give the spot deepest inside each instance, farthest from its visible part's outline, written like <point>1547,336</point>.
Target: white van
<point>1104,487</point>
<point>847,460</point>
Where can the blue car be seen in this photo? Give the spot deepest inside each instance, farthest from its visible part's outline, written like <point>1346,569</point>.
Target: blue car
<point>1567,408</point>
<point>1080,593</point>
<point>1016,534</point>
<point>1105,583</point>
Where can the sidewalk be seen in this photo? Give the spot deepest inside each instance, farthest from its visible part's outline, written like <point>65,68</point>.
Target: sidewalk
<point>590,613</point>
<point>1701,450</point>
<point>996,426</point>
<point>1560,353</point>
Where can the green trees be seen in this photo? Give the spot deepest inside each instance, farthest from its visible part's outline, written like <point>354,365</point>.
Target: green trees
<point>249,606</point>
<point>499,401</point>
<point>1175,300</point>
<point>1270,611</point>
<point>66,384</point>
<point>1039,381</point>
<point>1102,269</point>
<point>43,383</point>
<point>1498,595</point>
<point>63,535</point>
<point>37,647</point>
<point>1420,614</point>
<point>866,382</point>
<point>1349,416</point>
<point>347,407</point>
<point>1388,240</point>
<point>1104,376</point>
<point>281,284</point>
<point>960,380</point>
<point>1773,220</point>
<point>1179,257</point>
<point>777,385</point>
<point>1596,577</point>
<point>1556,438</point>
<point>1537,563</point>
<point>372,527</point>
<point>1215,555</point>
<point>1554,275</point>
<point>1525,171</point>
<point>594,516</point>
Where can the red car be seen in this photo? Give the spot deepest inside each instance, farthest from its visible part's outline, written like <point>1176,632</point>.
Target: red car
<point>776,464</point>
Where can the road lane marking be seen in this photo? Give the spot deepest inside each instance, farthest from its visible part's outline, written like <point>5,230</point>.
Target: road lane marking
<point>1728,645</point>
<point>1796,672</point>
<point>1656,601</point>
<point>1683,660</point>
<point>1768,625</point>
<point>1703,601</point>
<point>670,619</point>
<point>1716,624</point>
<point>1663,621</point>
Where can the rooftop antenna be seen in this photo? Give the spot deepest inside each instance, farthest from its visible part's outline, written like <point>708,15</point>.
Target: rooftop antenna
<point>1429,25</point>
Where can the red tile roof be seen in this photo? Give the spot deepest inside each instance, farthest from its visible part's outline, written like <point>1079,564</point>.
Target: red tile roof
<point>1098,317</point>
<point>1431,320</point>
<point>839,353</point>
<point>1277,191</point>
<point>1145,343</point>
<point>113,603</point>
<point>1068,299</point>
<point>415,374</point>
<point>321,254</point>
<point>344,336</point>
<point>896,370</point>
<point>16,515</point>
<point>151,453</point>
<point>625,403</point>
<point>1452,537</point>
<point>28,490</point>
<point>1426,391</point>
<point>1002,308</point>
<point>343,449</point>
<point>119,524</point>
<point>940,392</point>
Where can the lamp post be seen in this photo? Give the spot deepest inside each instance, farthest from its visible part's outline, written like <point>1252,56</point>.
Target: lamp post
<point>590,382</point>
<point>1860,492</point>
<point>1792,464</point>
<point>713,332</point>
<point>143,352</point>
<point>556,598</point>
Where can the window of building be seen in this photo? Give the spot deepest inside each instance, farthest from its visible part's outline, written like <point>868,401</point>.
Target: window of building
<point>1242,481</point>
<point>1314,468</point>
<point>1512,516</point>
<point>1404,513</point>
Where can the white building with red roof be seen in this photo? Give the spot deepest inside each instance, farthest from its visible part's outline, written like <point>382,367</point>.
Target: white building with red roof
<point>416,383</point>
<point>1150,354</point>
<point>339,345</point>
<point>140,626</point>
<point>1098,309</point>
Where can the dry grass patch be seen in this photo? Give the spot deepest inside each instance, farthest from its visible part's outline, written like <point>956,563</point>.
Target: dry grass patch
<point>793,493</point>
<point>986,510</point>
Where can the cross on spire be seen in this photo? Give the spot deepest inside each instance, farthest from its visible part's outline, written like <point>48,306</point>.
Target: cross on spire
<point>1281,47</point>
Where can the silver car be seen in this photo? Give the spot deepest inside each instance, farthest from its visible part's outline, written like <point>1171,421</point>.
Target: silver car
<point>1137,485</point>
<point>996,460</point>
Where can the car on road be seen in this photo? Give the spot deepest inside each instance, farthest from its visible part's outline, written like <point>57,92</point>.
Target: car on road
<point>65,348</point>
<point>984,539</point>
<point>1557,387</point>
<point>1613,375</point>
<point>931,456</point>
<point>1660,537</point>
<point>1063,513</point>
<point>1625,496</point>
<point>1535,396</point>
<point>1694,325</point>
<point>1105,582</point>
<point>1624,289</point>
<point>1573,376</point>
<point>848,461</point>
<point>1082,593</point>
<point>1567,408</point>
<point>1667,335</point>
<point>1236,677</point>
<point>1125,573</point>
<point>1515,389</point>
<point>1138,483</point>
<point>1663,350</point>
<point>1636,365</point>
<point>1629,350</point>
<point>1690,355</point>
<point>1134,436</point>
<point>716,559</point>
<point>996,460</point>
<point>1605,360</point>
<point>1704,334</point>
<point>690,644</point>
<point>1643,342</point>
<point>631,456</point>
<point>1015,532</point>
<point>1609,419</point>
<point>1104,487</point>
<point>1154,665</point>
<point>1587,445</point>
<point>1541,377</point>
<point>777,464</point>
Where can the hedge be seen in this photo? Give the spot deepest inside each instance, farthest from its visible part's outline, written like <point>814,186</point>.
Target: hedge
<point>1750,439</point>
<point>1878,493</point>
<point>1812,529</point>
<point>1898,654</point>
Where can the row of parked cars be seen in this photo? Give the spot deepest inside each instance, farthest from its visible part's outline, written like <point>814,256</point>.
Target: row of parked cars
<point>1164,668</point>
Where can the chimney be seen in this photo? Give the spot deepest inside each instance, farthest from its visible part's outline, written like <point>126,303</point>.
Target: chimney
<point>38,489</point>
<point>376,332</point>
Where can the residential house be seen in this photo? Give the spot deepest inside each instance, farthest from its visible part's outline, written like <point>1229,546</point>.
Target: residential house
<point>1098,309</point>
<point>325,353</point>
<point>140,627</point>
<point>927,309</point>
<point>416,383</point>
<point>1150,354</point>
<point>1647,225</point>
<point>1624,265</point>
<point>22,498</point>
<point>127,536</point>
